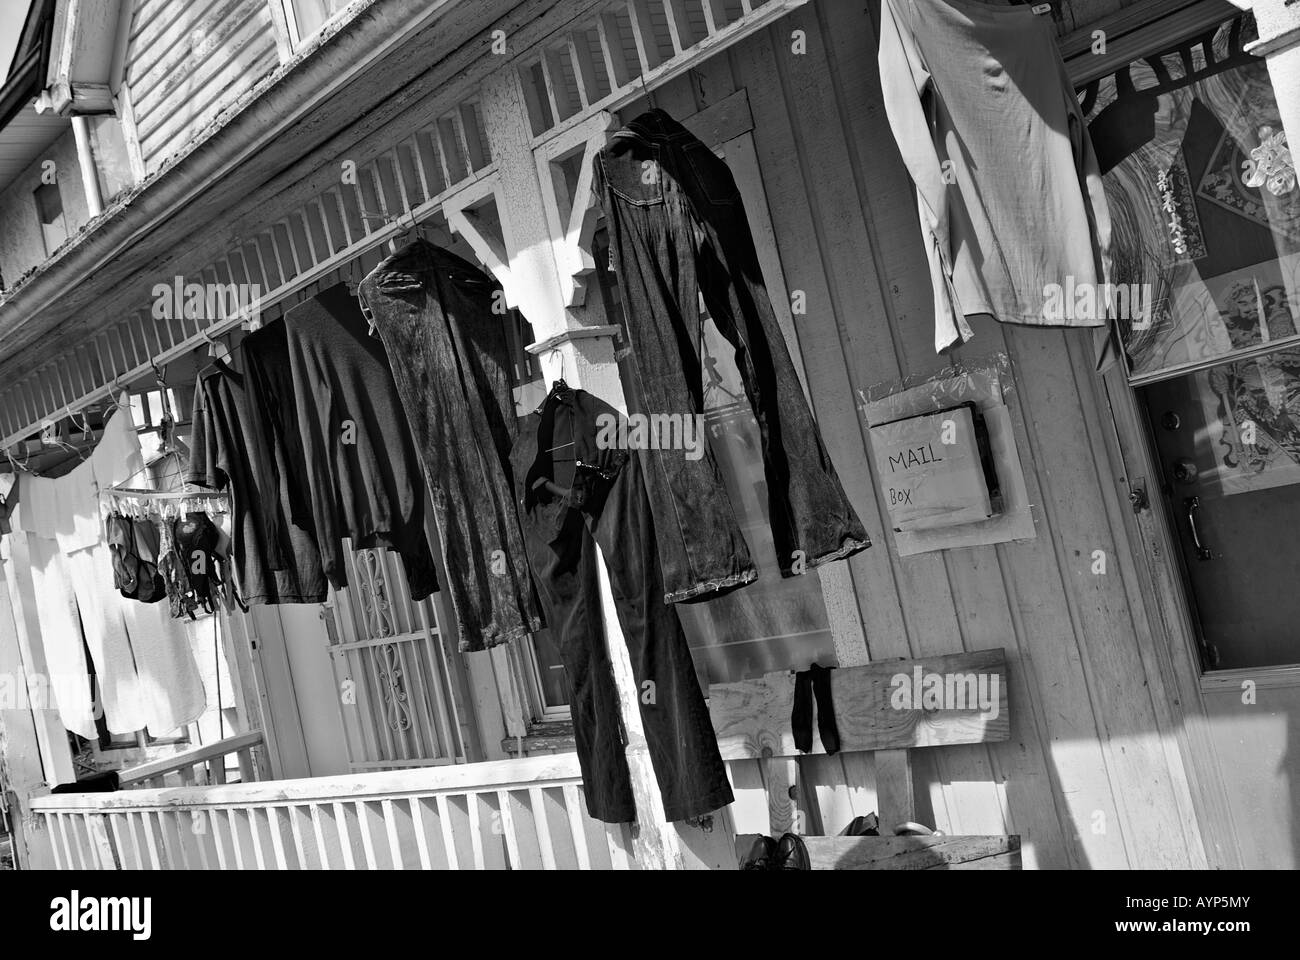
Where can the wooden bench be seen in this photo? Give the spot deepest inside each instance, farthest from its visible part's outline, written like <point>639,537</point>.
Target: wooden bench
<point>874,715</point>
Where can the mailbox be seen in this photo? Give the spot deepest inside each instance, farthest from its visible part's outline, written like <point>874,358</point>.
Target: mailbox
<point>936,469</point>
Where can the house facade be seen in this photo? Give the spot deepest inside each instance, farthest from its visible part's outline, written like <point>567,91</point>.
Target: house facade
<point>1135,581</point>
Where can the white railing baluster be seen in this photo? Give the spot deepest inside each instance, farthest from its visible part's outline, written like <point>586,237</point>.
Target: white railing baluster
<point>214,824</point>
<point>508,829</point>
<point>417,158</point>
<point>117,842</point>
<point>469,120</point>
<point>710,21</point>
<point>259,856</point>
<point>678,25</point>
<point>421,840</point>
<point>643,32</point>
<point>277,838</point>
<point>390,828</point>
<point>448,836</point>
<point>553,79</point>
<point>170,858</point>
<point>236,844</point>
<point>475,834</point>
<point>67,846</point>
<point>541,822</point>
<point>367,841</point>
<point>345,836</point>
<point>99,842</point>
<point>396,161</point>
<point>294,815</point>
<point>318,833</point>
<point>462,140</point>
<point>434,136</point>
<point>573,805</point>
<point>584,70</point>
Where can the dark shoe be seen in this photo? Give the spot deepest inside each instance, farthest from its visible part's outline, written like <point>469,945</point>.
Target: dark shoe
<point>868,826</point>
<point>762,855</point>
<point>791,854</point>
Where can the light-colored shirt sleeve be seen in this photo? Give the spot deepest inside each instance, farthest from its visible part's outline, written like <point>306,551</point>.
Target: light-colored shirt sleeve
<point>903,79</point>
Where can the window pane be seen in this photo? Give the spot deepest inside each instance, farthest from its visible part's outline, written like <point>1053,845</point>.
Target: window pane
<point>1203,198</point>
<point>312,14</point>
<point>550,671</point>
<point>49,210</point>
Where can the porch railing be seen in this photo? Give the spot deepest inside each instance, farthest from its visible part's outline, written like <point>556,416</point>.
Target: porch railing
<point>208,765</point>
<point>513,814</point>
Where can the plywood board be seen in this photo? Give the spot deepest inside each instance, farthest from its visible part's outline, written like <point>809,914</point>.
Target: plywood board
<point>752,717</point>
<point>914,853</point>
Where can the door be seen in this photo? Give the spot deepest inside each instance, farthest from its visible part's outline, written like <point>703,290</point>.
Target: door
<point>1228,446</point>
<point>1205,213</point>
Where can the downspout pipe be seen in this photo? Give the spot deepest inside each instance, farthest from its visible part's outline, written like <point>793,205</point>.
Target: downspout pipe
<point>86,160</point>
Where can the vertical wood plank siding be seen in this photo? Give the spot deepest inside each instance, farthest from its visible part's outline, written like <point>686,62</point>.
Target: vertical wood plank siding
<point>186,62</point>
<point>1091,776</point>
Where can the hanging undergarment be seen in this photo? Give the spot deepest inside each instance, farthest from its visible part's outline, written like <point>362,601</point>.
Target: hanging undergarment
<point>134,547</point>
<point>176,580</point>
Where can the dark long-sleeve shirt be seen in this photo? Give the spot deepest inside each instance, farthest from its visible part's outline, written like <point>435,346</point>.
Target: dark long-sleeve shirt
<point>365,480</point>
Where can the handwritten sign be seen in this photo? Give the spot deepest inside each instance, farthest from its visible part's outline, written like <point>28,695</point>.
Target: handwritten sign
<point>929,467</point>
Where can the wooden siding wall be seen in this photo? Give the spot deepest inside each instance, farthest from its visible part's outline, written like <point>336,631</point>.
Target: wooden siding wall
<point>1092,775</point>
<point>187,61</point>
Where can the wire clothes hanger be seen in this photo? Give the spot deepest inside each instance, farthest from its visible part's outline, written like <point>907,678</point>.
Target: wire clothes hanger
<point>141,502</point>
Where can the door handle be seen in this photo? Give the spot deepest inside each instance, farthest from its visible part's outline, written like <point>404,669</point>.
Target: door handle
<point>1193,504</point>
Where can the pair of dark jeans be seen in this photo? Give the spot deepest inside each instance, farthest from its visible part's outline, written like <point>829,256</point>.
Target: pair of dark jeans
<point>451,360</point>
<point>568,512</point>
<point>678,230</point>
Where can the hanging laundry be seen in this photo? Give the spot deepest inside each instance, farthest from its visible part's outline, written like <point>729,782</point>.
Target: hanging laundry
<point>680,235</point>
<point>243,441</point>
<point>815,681</point>
<point>146,671</point>
<point>1008,187</point>
<point>133,545</point>
<point>451,361</point>
<point>197,542</point>
<point>363,474</point>
<point>61,640</point>
<point>573,515</point>
<point>181,598</point>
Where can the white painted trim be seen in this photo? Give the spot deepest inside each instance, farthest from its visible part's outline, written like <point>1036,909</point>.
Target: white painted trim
<point>571,240</point>
<point>1272,678</point>
<point>471,778</point>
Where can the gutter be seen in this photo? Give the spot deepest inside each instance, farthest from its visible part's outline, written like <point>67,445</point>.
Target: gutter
<point>23,85</point>
<point>280,100</point>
